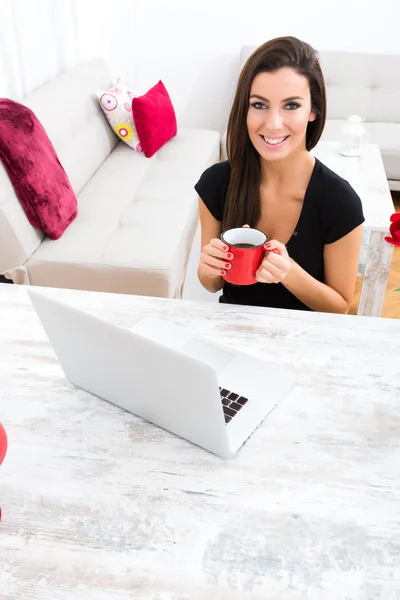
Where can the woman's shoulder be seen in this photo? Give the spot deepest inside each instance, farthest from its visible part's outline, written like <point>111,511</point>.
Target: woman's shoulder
<point>334,186</point>
<point>340,206</point>
<point>213,186</point>
<point>218,174</point>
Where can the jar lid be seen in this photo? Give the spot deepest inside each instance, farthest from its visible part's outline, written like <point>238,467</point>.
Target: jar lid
<point>355,119</point>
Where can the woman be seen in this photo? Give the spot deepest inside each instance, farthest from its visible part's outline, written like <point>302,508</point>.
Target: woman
<point>312,217</point>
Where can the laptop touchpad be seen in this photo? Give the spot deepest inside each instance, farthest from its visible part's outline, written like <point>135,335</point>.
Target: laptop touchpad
<point>216,357</point>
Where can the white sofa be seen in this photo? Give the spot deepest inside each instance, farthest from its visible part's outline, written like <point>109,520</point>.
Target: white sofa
<point>137,216</point>
<point>367,85</point>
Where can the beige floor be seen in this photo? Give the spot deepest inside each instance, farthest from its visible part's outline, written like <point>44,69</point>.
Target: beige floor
<point>391,305</point>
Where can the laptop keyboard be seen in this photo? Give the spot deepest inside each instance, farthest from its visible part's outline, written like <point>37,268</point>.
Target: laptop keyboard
<point>231,403</point>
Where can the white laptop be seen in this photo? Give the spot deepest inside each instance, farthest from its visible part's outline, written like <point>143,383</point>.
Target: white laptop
<point>205,393</point>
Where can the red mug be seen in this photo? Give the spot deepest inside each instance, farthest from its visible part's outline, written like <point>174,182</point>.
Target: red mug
<point>247,246</point>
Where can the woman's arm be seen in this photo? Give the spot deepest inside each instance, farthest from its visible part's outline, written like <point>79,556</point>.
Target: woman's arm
<point>340,266</point>
<point>210,229</point>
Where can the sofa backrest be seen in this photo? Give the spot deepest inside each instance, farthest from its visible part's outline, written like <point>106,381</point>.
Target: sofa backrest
<point>69,111</point>
<point>363,84</point>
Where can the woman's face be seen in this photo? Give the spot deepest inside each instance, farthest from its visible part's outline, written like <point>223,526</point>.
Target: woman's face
<point>279,112</point>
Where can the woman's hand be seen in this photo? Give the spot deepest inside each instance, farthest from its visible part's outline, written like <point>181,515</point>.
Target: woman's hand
<point>214,259</point>
<point>275,265</point>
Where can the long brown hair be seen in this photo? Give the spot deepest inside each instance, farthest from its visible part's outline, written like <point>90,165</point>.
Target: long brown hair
<point>243,196</point>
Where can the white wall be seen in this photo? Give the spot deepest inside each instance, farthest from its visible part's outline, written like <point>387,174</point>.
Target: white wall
<point>192,45</point>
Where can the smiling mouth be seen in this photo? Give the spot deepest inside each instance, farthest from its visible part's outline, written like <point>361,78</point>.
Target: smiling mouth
<point>274,142</point>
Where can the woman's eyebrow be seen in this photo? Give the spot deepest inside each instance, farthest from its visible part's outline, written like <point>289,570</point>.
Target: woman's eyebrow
<point>290,99</point>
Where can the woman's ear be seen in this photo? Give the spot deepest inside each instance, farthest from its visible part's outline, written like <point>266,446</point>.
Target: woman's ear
<point>312,116</point>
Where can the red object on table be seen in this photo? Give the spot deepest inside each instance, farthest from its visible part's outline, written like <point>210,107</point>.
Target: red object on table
<point>3,447</point>
<point>394,229</point>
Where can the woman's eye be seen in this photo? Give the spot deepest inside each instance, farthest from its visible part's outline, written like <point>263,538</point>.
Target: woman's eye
<point>258,105</point>
<point>292,106</point>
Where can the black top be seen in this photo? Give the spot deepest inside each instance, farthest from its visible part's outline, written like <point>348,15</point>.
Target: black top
<point>331,209</point>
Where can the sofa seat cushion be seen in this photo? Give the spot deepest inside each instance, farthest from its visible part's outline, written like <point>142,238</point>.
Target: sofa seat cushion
<point>136,219</point>
<point>385,135</point>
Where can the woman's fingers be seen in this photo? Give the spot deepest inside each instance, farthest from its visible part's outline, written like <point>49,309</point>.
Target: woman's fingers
<point>275,260</point>
<point>218,249</point>
<point>212,261</point>
<point>276,264</point>
<point>214,258</point>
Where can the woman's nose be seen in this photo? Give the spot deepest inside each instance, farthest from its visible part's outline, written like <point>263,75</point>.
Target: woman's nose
<point>273,120</point>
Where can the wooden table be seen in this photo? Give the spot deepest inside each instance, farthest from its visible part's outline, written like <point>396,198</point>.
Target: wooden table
<point>99,505</point>
<point>367,176</point>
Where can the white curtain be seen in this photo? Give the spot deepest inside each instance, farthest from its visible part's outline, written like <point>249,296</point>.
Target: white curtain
<point>41,38</point>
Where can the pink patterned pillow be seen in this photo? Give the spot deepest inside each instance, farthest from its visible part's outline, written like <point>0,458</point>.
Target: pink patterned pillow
<point>116,104</point>
<point>155,119</point>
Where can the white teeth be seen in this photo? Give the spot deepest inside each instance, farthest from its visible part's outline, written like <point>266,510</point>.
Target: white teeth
<point>273,141</point>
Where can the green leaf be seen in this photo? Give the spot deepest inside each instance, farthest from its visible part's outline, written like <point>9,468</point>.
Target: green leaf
<point>397,290</point>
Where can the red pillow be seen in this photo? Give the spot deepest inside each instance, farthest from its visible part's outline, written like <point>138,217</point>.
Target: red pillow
<point>39,180</point>
<point>155,119</point>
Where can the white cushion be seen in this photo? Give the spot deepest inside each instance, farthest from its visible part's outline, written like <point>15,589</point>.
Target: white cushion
<point>364,84</point>
<point>116,104</point>
<point>136,222</point>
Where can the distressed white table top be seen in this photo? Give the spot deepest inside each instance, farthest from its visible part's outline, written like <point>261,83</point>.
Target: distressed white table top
<point>367,176</point>
<point>98,505</point>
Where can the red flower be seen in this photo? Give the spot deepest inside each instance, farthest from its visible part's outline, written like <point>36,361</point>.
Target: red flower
<point>394,230</point>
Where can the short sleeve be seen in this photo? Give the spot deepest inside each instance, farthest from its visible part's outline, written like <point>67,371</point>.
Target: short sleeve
<point>343,211</point>
<point>212,188</point>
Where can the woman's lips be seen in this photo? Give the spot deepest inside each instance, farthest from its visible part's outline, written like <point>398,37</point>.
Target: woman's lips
<point>274,143</point>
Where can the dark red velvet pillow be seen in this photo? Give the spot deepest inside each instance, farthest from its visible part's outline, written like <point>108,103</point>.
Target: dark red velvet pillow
<point>155,119</point>
<point>39,180</point>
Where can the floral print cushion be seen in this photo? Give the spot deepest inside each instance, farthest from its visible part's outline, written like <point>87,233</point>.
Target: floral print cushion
<point>116,104</point>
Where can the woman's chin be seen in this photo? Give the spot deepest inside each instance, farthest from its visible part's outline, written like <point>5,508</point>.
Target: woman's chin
<point>274,155</point>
